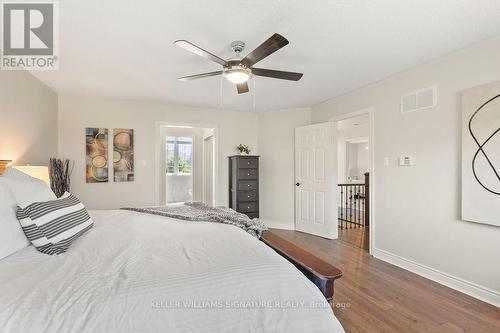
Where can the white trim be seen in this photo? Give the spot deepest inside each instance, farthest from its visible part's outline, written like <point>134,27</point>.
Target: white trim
<point>353,114</point>
<point>371,141</point>
<point>206,139</point>
<point>360,139</point>
<point>278,224</point>
<point>472,289</point>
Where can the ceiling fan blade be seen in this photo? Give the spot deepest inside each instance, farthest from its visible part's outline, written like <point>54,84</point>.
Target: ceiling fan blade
<point>292,76</point>
<point>199,51</point>
<point>242,87</point>
<point>273,44</point>
<point>199,76</point>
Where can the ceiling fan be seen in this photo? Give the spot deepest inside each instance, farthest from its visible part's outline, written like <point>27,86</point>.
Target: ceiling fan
<point>238,70</point>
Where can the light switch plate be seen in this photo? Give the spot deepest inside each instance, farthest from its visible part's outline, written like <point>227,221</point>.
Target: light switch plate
<point>406,161</point>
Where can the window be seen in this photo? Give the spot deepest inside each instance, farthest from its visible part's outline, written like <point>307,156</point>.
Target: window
<point>179,154</point>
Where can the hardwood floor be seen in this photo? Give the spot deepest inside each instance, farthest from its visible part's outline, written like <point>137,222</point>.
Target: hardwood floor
<point>358,237</point>
<point>374,296</point>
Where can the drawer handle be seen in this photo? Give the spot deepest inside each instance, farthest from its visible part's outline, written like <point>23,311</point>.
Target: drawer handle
<point>248,197</point>
<point>248,207</point>
<point>248,174</point>
<point>248,163</point>
<point>248,185</point>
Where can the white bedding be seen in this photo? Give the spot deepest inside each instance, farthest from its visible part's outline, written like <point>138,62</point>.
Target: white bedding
<point>141,273</point>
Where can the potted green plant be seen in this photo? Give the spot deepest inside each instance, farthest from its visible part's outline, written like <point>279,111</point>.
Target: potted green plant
<point>243,149</point>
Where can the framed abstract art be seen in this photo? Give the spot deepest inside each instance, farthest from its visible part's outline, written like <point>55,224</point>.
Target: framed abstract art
<point>481,154</point>
<point>96,160</point>
<point>123,155</point>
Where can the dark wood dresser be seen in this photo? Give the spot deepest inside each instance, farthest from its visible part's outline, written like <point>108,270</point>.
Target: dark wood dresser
<point>244,184</point>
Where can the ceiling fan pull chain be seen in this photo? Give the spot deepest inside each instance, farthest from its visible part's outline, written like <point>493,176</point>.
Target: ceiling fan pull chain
<point>220,92</point>
<point>254,92</point>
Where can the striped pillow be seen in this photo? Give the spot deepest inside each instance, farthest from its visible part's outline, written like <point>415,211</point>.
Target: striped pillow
<point>52,226</point>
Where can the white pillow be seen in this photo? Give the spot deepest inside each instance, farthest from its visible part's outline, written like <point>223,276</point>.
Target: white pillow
<point>26,188</point>
<point>13,173</point>
<point>12,238</point>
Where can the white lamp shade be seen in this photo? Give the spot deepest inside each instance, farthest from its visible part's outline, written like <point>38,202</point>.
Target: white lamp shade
<point>39,172</point>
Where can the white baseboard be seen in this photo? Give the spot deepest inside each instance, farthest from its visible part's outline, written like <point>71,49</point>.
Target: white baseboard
<point>279,224</point>
<point>485,294</point>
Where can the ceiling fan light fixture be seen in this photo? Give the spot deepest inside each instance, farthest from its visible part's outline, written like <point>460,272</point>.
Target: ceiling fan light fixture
<point>237,70</point>
<point>237,75</point>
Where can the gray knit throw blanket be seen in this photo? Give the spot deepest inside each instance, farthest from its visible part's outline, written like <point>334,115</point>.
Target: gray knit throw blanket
<point>197,211</point>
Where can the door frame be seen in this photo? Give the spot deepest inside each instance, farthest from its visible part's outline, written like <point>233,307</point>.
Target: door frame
<point>371,143</point>
<point>210,137</point>
<point>159,128</point>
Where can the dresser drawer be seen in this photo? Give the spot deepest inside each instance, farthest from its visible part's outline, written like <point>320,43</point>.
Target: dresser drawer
<point>252,215</point>
<point>248,174</point>
<point>247,185</point>
<point>245,207</point>
<point>244,196</point>
<point>248,163</point>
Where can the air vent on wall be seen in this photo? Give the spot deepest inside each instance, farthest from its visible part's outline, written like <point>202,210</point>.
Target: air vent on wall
<point>419,100</point>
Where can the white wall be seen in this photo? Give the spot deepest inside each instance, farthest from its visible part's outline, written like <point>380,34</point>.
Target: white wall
<point>78,112</point>
<point>417,213</point>
<point>357,161</point>
<point>363,160</point>
<point>28,119</point>
<point>277,174</point>
<point>346,131</point>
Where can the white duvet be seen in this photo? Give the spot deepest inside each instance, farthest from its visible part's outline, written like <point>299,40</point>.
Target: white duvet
<point>141,273</point>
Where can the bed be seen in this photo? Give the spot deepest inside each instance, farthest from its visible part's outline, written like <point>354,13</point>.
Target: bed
<point>134,272</point>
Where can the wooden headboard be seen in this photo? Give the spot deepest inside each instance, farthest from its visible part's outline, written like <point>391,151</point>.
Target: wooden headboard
<point>3,165</point>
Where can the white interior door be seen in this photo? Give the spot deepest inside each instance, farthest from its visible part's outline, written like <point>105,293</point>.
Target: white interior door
<point>315,180</point>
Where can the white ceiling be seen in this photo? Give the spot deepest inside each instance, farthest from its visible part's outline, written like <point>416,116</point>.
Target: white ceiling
<point>123,48</point>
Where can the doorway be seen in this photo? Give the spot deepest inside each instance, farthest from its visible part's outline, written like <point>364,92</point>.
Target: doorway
<point>353,179</point>
<point>186,164</point>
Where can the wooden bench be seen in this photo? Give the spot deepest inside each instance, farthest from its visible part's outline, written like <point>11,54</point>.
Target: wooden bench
<point>321,273</point>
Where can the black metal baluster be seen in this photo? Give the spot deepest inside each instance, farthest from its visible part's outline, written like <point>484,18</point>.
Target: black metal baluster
<point>359,206</point>
<point>353,208</point>
<point>363,204</point>
<point>356,213</point>
<point>350,207</point>
<point>345,205</point>
<point>341,205</point>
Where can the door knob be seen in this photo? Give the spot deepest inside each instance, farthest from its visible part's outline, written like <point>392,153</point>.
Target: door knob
<point>297,184</point>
